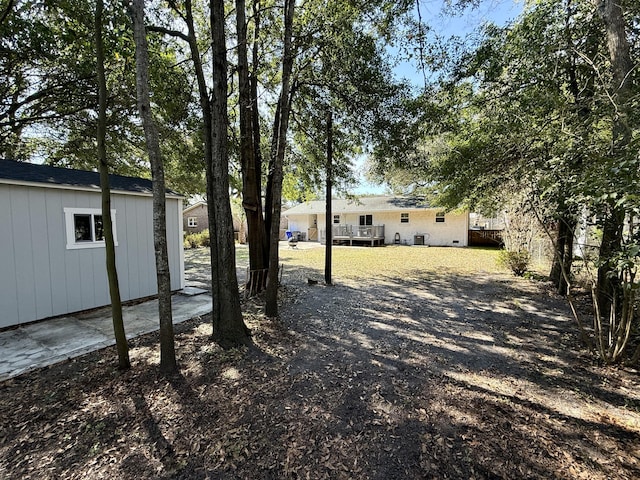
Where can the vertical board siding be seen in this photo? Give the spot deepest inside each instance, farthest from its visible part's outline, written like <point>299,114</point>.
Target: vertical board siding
<point>57,262</point>
<point>23,254</point>
<point>40,278</point>
<point>40,247</point>
<point>125,258</point>
<point>8,267</point>
<point>174,242</point>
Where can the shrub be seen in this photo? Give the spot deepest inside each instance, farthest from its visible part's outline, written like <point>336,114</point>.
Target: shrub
<point>517,261</point>
<point>195,240</point>
<point>205,241</point>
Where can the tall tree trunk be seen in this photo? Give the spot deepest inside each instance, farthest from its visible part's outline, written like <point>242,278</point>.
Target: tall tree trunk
<point>278,149</point>
<point>205,106</point>
<point>563,255</point>
<point>251,167</point>
<point>608,290</point>
<point>268,195</point>
<point>255,111</point>
<point>167,347</point>
<point>329,214</point>
<point>229,329</point>
<point>112,273</point>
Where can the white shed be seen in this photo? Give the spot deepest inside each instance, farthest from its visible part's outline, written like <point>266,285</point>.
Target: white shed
<point>52,255</point>
<point>380,220</point>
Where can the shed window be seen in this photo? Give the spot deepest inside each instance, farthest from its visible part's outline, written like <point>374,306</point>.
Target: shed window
<point>85,228</point>
<point>192,222</point>
<point>440,217</point>
<point>366,220</point>
<point>336,219</point>
<point>404,218</point>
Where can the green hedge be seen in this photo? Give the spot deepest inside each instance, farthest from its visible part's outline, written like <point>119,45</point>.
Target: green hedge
<point>196,240</point>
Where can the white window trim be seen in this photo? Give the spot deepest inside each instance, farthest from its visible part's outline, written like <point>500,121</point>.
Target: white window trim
<point>70,228</point>
<point>192,224</point>
<point>441,215</point>
<point>334,219</point>
<point>404,217</point>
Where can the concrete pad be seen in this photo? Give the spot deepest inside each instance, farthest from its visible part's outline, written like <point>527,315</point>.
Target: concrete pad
<point>192,291</point>
<point>47,342</point>
<point>102,324</point>
<point>64,335</point>
<point>185,308</point>
<point>19,353</point>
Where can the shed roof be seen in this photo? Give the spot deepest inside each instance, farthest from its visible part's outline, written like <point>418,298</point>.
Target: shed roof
<point>361,205</point>
<point>29,173</point>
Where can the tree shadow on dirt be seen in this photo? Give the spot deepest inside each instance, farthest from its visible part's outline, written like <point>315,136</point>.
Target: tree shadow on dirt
<point>474,376</point>
<point>427,376</point>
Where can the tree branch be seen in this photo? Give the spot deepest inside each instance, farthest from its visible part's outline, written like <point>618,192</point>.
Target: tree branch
<point>167,31</point>
<point>7,11</point>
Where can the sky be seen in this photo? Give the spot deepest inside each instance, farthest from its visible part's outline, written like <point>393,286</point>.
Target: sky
<point>434,14</point>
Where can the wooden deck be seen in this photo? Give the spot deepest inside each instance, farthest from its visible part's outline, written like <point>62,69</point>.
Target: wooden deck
<point>372,235</point>
<point>485,238</point>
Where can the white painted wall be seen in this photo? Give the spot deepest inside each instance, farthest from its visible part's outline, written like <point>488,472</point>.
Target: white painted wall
<point>40,277</point>
<point>452,232</point>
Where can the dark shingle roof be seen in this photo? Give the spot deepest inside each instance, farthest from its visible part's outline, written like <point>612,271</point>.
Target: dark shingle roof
<point>33,173</point>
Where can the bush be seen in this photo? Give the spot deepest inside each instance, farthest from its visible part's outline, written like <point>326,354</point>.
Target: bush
<point>205,241</point>
<point>516,261</point>
<point>195,240</point>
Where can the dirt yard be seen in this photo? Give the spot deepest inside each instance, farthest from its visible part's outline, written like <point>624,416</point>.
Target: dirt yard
<point>421,373</point>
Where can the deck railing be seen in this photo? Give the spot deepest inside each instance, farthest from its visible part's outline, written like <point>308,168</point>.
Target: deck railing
<point>368,232</point>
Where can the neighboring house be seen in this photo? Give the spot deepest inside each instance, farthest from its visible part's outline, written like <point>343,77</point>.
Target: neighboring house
<point>379,221</point>
<point>52,253</point>
<point>195,218</point>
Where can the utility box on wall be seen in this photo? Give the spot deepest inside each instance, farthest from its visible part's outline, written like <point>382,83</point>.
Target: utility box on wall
<point>418,239</point>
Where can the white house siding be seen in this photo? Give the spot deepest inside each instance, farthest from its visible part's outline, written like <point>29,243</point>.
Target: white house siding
<point>41,278</point>
<point>451,232</point>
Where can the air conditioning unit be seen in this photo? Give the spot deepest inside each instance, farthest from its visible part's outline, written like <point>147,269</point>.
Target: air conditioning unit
<point>418,239</point>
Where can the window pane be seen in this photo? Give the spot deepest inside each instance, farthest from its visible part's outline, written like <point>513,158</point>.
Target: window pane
<point>369,220</point>
<point>440,217</point>
<point>98,227</point>
<point>82,226</point>
<point>336,219</point>
<point>404,218</point>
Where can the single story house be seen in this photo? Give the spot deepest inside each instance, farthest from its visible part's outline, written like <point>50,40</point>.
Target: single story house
<point>195,219</point>
<point>380,221</point>
<point>52,251</point>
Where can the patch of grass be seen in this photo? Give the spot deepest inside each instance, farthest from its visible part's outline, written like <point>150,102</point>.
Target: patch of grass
<point>359,263</point>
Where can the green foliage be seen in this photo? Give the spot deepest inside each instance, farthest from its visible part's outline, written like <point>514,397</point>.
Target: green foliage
<point>47,81</point>
<point>536,109</point>
<point>197,240</point>
<point>517,261</point>
<point>341,66</point>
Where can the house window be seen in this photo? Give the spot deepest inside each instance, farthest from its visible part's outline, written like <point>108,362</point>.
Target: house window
<point>366,220</point>
<point>85,228</point>
<point>404,218</point>
<point>440,217</point>
<point>336,219</point>
<point>192,222</point>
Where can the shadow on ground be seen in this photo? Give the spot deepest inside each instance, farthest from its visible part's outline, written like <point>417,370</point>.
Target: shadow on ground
<point>428,376</point>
